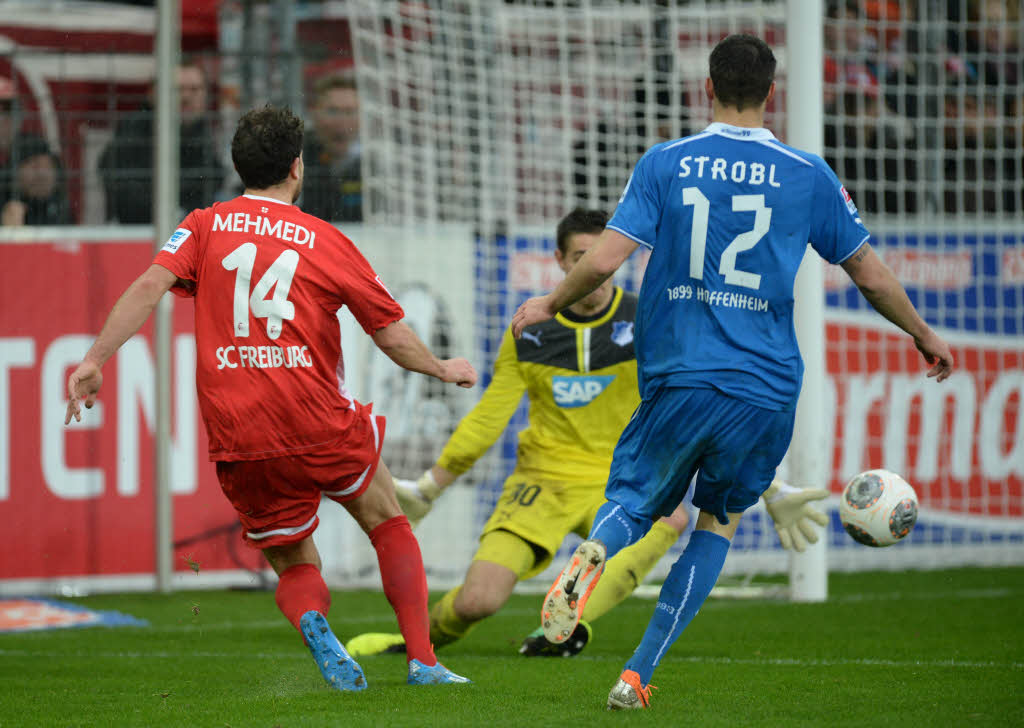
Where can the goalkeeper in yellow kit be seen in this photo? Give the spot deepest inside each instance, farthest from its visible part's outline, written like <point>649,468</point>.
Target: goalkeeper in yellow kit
<point>579,373</point>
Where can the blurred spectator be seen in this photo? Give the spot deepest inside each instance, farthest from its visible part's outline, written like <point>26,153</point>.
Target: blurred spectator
<point>1001,43</point>
<point>905,93</point>
<point>849,47</point>
<point>126,165</point>
<point>37,195</point>
<point>606,153</point>
<point>602,155</point>
<point>333,185</point>
<point>876,161</point>
<point>884,17</point>
<point>991,45</point>
<point>982,157</point>
<point>8,131</point>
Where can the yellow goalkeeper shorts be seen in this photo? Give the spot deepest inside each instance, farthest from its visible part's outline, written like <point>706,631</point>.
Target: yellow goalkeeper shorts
<point>543,513</point>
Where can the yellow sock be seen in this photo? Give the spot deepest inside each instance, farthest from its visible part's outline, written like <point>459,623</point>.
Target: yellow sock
<point>445,625</point>
<point>627,569</point>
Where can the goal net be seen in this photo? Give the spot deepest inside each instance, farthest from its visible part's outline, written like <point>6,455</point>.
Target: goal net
<point>502,116</point>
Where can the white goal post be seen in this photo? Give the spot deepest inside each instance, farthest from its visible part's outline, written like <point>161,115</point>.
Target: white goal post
<point>808,573</point>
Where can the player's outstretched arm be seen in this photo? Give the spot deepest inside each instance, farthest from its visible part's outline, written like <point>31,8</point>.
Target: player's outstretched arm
<point>125,319</point>
<point>792,513</point>
<point>408,351</point>
<point>416,497</point>
<point>593,269</point>
<point>884,292</point>
<point>478,430</point>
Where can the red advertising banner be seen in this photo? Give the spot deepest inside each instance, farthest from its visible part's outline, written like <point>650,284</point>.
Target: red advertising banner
<point>961,442</point>
<point>78,500</point>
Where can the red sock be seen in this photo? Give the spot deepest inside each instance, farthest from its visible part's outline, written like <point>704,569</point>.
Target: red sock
<point>405,584</point>
<point>301,589</point>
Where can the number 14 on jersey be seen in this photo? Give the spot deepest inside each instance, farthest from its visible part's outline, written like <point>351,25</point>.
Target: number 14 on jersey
<point>275,310</point>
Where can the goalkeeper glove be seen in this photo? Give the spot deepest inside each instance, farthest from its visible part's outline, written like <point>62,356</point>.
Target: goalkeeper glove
<point>417,497</point>
<point>790,510</point>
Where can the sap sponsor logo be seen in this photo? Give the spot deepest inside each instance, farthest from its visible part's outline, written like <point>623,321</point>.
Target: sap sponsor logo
<point>174,242</point>
<point>848,200</point>
<point>622,333</point>
<point>579,391</point>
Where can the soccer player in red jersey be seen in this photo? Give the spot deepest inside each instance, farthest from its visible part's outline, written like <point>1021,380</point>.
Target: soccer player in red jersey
<point>268,280</point>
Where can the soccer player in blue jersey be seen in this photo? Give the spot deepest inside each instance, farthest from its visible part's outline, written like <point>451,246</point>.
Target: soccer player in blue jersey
<point>728,214</point>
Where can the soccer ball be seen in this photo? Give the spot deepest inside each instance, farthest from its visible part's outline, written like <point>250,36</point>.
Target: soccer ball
<point>878,508</point>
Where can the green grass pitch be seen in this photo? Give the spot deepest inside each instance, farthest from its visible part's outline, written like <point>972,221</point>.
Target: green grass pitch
<point>914,649</point>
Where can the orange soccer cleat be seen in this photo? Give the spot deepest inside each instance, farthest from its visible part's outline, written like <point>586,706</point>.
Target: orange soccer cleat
<point>564,602</point>
<point>629,693</point>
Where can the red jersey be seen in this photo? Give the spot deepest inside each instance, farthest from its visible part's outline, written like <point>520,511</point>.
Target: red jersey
<point>268,281</point>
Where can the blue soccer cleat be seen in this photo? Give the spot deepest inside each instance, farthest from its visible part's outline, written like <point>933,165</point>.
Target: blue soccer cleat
<point>338,668</point>
<point>420,674</point>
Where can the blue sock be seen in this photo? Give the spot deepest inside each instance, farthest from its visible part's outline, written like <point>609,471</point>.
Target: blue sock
<point>687,586</point>
<point>616,528</point>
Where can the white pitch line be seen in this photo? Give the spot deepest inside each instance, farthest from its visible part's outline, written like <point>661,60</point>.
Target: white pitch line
<point>334,621</point>
<point>650,591</point>
<point>866,662</point>
<point>991,593</point>
<point>162,655</point>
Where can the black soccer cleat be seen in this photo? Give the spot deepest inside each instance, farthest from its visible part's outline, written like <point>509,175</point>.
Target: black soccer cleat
<point>537,645</point>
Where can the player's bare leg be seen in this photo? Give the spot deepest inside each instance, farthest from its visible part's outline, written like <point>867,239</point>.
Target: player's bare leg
<point>303,598</point>
<point>281,558</point>
<point>687,586</point>
<point>377,503</point>
<point>377,512</point>
<point>679,519</point>
<point>485,590</point>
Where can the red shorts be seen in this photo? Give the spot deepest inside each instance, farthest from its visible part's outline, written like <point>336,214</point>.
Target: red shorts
<point>277,499</point>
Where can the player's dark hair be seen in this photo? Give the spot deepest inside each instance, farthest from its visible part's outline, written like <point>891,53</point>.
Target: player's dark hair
<point>742,71</point>
<point>265,144</point>
<point>579,220</point>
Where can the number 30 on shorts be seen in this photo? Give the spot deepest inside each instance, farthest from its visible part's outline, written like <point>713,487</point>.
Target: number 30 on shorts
<point>524,494</point>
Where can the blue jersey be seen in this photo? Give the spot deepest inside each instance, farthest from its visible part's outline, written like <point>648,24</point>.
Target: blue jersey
<point>728,214</point>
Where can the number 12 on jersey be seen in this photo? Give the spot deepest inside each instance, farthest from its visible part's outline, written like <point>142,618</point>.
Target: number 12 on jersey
<point>276,309</point>
<point>744,241</point>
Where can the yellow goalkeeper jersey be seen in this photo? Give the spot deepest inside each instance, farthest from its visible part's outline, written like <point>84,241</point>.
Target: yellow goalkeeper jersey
<point>580,377</point>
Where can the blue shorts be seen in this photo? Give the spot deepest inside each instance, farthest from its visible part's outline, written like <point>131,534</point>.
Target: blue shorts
<point>735,446</point>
